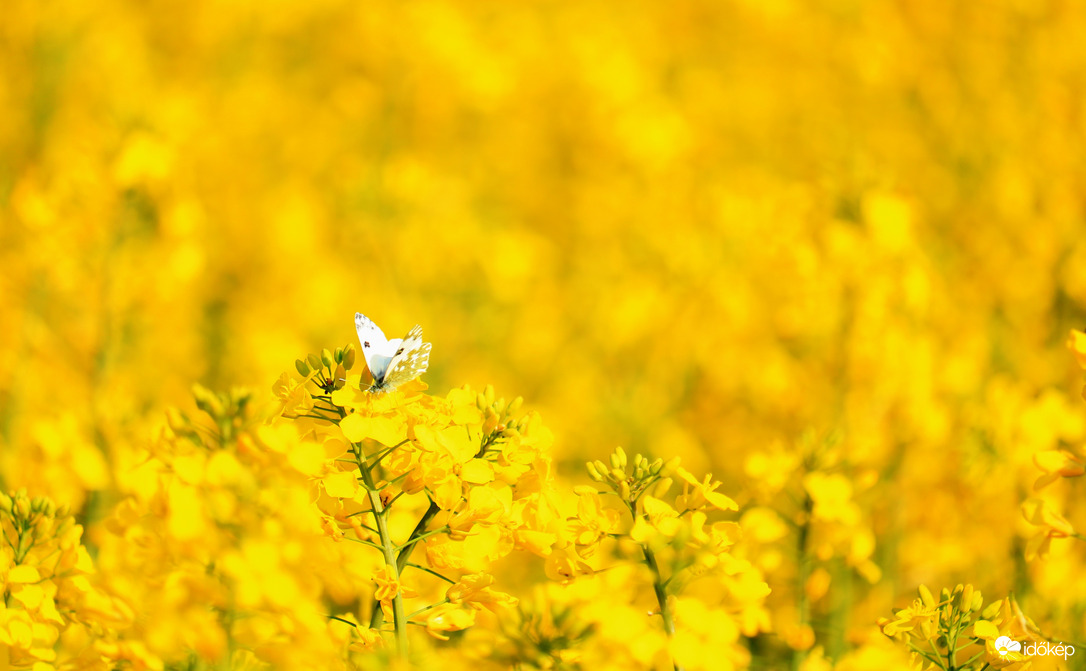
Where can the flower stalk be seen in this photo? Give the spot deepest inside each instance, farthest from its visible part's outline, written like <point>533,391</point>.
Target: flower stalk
<point>659,587</point>
<point>377,616</point>
<point>388,548</point>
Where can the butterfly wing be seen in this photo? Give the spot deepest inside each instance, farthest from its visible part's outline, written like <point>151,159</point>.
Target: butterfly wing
<point>409,360</point>
<point>377,350</point>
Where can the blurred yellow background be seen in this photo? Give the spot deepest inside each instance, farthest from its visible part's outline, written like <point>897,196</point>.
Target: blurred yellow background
<point>689,228</point>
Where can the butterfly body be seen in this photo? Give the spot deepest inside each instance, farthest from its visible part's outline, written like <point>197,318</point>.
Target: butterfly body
<point>391,362</point>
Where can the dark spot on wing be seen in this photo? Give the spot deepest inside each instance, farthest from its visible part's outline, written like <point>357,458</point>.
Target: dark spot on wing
<point>399,352</point>
<point>366,344</point>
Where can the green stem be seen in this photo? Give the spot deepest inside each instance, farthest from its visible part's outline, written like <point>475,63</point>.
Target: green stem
<point>377,616</point>
<point>431,572</point>
<point>802,572</point>
<point>389,550</point>
<point>422,610</point>
<point>340,619</point>
<point>415,539</point>
<point>975,657</point>
<point>951,653</point>
<point>660,588</point>
<point>659,585</point>
<point>368,544</point>
<point>936,660</point>
<point>389,451</point>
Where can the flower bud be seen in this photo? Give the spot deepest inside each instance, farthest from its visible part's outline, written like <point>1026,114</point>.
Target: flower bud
<point>595,474</point>
<point>207,401</point>
<point>6,503</point>
<point>349,354</point>
<point>22,505</point>
<point>515,405</point>
<point>176,421</point>
<point>341,376</point>
<point>966,603</point>
<point>302,367</point>
<point>926,596</point>
<point>480,401</point>
<point>314,361</point>
<point>338,355</point>
<point>326,359</point>
<point>621,457</point>
<point>617,475</point>
<point>624,490</point>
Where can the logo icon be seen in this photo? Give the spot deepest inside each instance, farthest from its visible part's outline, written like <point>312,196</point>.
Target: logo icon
<point>1004,645</point>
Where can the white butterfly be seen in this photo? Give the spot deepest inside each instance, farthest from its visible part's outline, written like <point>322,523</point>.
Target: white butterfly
<point>391,362</point>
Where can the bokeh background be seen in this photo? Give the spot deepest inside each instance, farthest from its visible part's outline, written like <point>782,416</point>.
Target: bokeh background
<point>689,228</point>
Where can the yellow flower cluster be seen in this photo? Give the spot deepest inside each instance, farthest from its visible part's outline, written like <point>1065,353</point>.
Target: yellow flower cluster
<point>52,615</point>
<point>705,596</point>
<point>807,523</point>
<point>1060,462</point>
<point>469,478</point>
<point>217,545</point>
<point>956,631</point>
<point>826,251</point>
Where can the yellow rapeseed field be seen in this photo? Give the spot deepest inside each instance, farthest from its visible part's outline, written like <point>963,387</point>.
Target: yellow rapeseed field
<point>755,327</point>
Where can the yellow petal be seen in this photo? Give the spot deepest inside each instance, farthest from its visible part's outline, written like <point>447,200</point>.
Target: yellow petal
<point>83,562</point>
<point>388,431</point>
<point>985,629</point>
<point>656,508</point>
<point>721,502</point>
<point>29,595</point>
<point>1077,344</point>
<point>350,395</point>
<point>447,493</point>
<point>1049,461</point>
<point>341,485</point>
<point>308,457</point>
<point>355,427</point>
<point>23,574</point>
<point>477,472</point>
<point>186,520</point>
